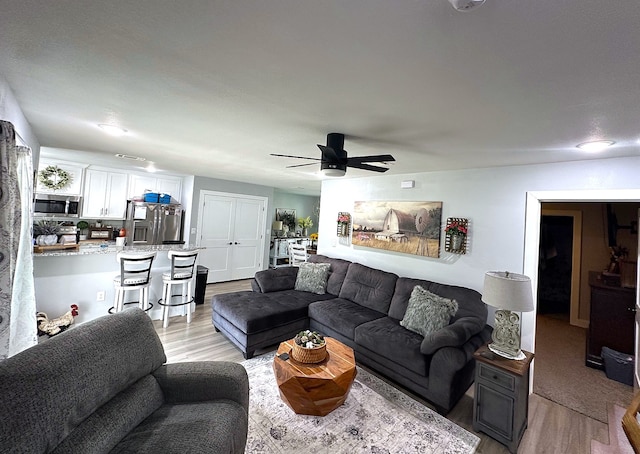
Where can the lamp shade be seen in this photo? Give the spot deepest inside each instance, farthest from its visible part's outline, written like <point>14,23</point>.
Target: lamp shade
<point>506,290</point>
<point>277,225</point>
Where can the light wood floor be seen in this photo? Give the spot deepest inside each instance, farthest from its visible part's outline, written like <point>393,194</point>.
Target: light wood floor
<point>552,427</point>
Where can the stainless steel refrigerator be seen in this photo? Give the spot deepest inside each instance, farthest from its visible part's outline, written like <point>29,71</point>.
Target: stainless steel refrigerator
<point>154,223</point>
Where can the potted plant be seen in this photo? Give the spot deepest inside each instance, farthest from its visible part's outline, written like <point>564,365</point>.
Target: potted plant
<point>305,223</point>
<point>82,227</point>
<point>457,231</point>
<point>46,232</point>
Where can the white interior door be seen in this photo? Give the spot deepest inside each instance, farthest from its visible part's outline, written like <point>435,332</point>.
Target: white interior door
<point>248,243</point>
<point>230,235</point>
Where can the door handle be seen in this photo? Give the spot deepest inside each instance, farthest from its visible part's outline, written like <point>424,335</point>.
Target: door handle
<point>230,242</point>
<point>236,243</point>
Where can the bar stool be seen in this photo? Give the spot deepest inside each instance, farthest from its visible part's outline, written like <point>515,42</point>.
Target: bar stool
<point>135,274</point>
<point>182,266</point>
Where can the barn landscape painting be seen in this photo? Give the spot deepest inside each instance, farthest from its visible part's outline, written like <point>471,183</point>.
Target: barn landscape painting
<point>406,227</point>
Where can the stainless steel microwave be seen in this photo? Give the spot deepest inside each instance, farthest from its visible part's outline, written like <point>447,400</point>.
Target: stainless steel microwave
<point>57,205</point>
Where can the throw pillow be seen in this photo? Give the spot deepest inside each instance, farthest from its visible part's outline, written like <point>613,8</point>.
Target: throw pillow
<point>312,277</point>
<point>428,312</point>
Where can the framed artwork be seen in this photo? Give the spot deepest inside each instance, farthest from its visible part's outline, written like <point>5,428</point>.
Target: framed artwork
<point>288,217</point>
<point>456,235</point>
<point>405,227</point>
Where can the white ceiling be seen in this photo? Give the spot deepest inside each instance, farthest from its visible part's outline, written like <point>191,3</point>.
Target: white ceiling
<point>211,88</point>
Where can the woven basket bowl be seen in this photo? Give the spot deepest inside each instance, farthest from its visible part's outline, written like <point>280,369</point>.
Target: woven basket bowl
<point>309,355</point>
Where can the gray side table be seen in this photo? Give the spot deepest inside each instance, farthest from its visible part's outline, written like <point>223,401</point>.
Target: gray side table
<point>501,400</point>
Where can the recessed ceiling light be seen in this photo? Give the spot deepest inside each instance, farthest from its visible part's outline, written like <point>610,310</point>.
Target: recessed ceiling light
<point>596,145</point>
<point>112,129</point>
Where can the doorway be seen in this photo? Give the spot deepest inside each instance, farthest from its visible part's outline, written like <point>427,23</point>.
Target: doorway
<point>539,253</point>
<point>554,267</point>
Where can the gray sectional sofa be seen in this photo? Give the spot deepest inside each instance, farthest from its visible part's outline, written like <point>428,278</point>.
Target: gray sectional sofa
<point>362,307</point>
<point>102,386</point>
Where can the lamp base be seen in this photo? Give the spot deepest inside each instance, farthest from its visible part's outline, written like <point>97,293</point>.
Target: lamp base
<point>518,356</point>
<point>506,335</point>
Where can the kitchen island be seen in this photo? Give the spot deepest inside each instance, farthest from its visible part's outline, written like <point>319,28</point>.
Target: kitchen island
<point>66,277</point>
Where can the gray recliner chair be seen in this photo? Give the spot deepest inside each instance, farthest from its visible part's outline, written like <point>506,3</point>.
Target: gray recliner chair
<point>103,386</point>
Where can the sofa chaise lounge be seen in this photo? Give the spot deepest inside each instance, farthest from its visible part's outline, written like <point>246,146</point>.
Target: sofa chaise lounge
<point>102,386</point>
<point>362,307</point>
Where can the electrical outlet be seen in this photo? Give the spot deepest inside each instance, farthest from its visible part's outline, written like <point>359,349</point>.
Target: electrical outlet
<point>100,296</point>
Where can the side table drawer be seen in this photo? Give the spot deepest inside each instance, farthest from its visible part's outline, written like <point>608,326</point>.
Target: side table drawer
<point>497,377</point>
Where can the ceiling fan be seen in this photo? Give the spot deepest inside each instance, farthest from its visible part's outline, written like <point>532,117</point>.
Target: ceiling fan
<point>334,160</point>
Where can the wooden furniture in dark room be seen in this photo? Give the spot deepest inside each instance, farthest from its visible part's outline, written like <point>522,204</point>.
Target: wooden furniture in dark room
<point>611,321</point>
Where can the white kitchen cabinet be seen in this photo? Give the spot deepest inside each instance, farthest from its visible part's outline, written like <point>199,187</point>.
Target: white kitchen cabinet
<point>139,184</point>
<point>74,187</point>
<point>105,194</point>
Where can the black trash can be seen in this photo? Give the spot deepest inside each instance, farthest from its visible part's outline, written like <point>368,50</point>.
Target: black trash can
<point>618,366</point>
<point>202,273</point>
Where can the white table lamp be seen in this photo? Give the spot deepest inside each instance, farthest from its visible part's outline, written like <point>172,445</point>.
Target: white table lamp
<point>276,226</point>
<point>509,293</point>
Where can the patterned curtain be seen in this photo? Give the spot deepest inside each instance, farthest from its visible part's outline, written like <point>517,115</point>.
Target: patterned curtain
<point>17,295</point>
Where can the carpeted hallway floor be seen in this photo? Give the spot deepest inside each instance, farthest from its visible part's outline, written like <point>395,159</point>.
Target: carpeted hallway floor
<point>560,374</point>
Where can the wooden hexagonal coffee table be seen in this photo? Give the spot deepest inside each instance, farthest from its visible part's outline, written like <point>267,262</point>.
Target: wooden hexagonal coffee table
<point>315,389</point>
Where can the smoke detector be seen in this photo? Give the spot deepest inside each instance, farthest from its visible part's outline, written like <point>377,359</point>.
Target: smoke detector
<point>465,5</point>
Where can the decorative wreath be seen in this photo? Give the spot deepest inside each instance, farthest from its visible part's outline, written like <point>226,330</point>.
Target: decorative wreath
<point>53,177</point>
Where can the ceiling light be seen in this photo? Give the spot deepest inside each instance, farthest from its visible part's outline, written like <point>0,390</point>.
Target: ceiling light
<point>126,156</point>
<point>333,172</point>
<point>112,129</point>
<point>596,145</point>
<point>465,5</point>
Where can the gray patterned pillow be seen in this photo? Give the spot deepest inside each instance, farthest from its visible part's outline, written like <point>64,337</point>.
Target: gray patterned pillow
<point>312,277</point>
<point>428,312</point>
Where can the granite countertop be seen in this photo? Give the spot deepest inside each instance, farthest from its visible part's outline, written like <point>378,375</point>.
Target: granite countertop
<point>109,247</point>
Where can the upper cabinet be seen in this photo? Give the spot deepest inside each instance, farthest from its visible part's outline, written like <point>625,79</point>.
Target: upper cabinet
<point>59,177</point>
<point>105,194</point>
<point>141,183</point>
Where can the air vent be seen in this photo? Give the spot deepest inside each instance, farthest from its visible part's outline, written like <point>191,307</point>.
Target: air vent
<point>133,158</point>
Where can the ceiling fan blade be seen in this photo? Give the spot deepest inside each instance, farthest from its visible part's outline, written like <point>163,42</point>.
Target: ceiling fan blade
<point>329,153</point>
<point>302,165</point>
<point>367,167</point>
<point>376,158</point>
<point>289,156</point>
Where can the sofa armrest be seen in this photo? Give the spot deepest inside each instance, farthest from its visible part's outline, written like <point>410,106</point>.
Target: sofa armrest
<point>275,279</point>
<point>204,380</point>
<point>453,335</point>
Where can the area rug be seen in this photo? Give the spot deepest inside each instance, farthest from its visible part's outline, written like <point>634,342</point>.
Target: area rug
<point>375,418</point>
<point>561,376</point>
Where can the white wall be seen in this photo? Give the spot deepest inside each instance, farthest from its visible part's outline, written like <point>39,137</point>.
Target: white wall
<point>494,200</point>
<point>10,111</point>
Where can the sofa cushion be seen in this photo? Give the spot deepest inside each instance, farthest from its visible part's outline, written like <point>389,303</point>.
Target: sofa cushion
<point>469,301</point>
<point>388,339</point>
<point>342,315</point>
<point>253,312</point>
<point>203,427</point>
<point>337,273</point>
<point>427,312</point>
<point>312,277</point>
<point>276,279</point>
<point>369,287</point>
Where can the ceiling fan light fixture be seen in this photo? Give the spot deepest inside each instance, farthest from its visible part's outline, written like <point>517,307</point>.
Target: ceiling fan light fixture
<point>333,172</point>
<point>595,145</point>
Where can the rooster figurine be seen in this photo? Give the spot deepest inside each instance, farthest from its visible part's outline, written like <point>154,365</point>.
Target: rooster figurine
<point>57,325</point>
